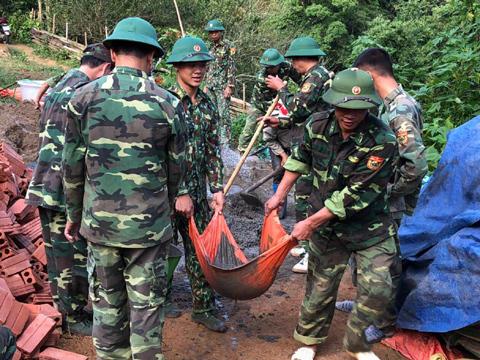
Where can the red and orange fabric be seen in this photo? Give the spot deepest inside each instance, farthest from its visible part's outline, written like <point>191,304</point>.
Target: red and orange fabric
<point>225,266</point>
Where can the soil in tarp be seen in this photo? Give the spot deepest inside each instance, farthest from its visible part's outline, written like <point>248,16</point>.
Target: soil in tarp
<point>19,128</point>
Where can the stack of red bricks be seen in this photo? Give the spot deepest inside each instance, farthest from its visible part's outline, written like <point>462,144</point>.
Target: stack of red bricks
<point>26,304</point>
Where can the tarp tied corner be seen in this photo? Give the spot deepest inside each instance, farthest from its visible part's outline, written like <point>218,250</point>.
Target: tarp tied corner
<point>225,266</point>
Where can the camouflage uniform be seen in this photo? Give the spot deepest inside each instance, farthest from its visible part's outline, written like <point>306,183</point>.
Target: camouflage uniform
<point>220,74</point>
<point>300,106</point>
<point>124,159</point>
<point>8,345</point>
<point>262,97</point>
<point>54,80</point>
<point>351,177</point>
<point>404,116</point>
<point>204,162</point>
<point>67,263</point>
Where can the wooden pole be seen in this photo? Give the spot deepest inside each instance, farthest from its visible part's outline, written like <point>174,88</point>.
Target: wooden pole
<point>66,31</point>
<point>106,31</point>
<point>40,10</point>
<point>86,43</point>
<point>53,25</point>
<point>179,19</point>
<point>244,106</point>
<point>250,146</point>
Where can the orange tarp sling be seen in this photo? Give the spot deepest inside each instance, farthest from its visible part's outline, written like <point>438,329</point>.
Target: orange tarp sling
<point>225,266</point>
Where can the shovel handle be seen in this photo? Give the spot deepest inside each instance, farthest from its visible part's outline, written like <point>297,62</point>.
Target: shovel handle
<point>265,179</point>
<point>250,146</point>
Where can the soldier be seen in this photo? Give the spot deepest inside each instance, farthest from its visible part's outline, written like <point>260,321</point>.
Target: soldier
<point>124,159</point>
<point>66,262</point>
<point>220,78</point>
<point>50,83</point>
<point>404,116</point>
<point>350,152</point>
<point>8,344</point>
<point>189,58</point>
<point>273,63</point>
<point>305,54</point>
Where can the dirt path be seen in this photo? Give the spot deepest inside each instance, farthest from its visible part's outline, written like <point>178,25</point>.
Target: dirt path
<point>29,52</point>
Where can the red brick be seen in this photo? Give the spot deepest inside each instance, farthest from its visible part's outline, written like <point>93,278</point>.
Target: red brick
<point>17,355</point>
<point>24,241</point>
<point>17,318</point>
<point>15,264</point>
<point>6,303</point>
<point>45,309</point>
<point>6,252</point>
<point>42,299</point>
<point>38,242</point>
<point>18,287</point>
<point>32,278</point>
<point>35,335</point>
<point>57,354</point>
<point>52,339</point>
<point>40,255</point>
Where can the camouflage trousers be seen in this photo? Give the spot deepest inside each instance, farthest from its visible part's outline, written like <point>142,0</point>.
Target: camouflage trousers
<point>223,106</point>
<point>388,319</point>
<point>138,277</point>
<point>303,189</point>
<point>249,129</point>
<point>66,263</point>
<point>8,344</point>
<point>203,299</point>
<point>327,261</point>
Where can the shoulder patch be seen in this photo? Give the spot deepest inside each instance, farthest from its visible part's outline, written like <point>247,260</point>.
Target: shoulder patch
<point>402,137</point>
<point>306,87</point>
<point>374,162</point>
<point>232,51</point>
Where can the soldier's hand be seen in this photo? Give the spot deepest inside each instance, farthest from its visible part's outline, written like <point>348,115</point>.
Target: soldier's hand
<point>284,157</point>
<point>184,205</point>
<point>270,121</point>
<point>273,203</point>
<point>36,103</point>
<point>228,92</point>
<point>274,82</point>
<point>205,89</point>
<point>302,231</point>
<point>71,231</point>
<point>218,201</point>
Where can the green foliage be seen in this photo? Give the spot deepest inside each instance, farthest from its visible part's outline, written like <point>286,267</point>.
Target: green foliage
<point>21,25</point>
<point>237,126</point>
<point>60,56</point>
<point>8,7</point>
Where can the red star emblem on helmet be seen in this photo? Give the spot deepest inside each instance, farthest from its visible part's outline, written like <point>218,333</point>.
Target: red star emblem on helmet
<point>196,48</point>
<point>266,59</point>
<point>356,90</point>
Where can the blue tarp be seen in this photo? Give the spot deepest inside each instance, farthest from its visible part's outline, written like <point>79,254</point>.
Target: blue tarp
<point>440,243</point>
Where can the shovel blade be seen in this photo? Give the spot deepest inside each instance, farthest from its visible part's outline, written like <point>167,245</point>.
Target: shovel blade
<point>251,199</point>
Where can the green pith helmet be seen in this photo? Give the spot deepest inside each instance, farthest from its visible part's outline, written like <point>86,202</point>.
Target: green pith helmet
<point>189,49</point>
<point>271,57</point>
<point>352,89</point>
<point>304,46</point>
<point>214,25</point>
<point>136,30</point>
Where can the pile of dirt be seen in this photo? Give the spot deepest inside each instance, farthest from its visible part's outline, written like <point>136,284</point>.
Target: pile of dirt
<point>19,128</point>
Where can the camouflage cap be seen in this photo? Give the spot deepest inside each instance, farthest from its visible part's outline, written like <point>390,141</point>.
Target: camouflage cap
<point>189,49</point>
<point>214,25</point>
<point>99,51</point>
<point>352,89</point>
<point>271,57</point>
<point>304,46</point>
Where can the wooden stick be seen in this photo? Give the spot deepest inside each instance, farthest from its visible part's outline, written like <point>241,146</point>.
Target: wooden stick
<point>53,26</point>
<point>249,147</point>
<point>244,106</point>
<point>106,31</point>
<point>86,43</point>
<point>66,31</point>
<point>179,19</point>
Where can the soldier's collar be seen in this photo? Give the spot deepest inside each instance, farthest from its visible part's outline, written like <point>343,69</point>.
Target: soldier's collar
<point>177,88</point>
<point>130,71</point>
<point>392,95</point>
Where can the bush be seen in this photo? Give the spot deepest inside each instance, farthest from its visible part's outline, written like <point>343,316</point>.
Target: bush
<point>21,26</point>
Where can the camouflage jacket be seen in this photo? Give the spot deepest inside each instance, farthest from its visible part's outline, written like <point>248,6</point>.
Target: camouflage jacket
<point>46,188</point>
<point>124,159</point>
<point>262,95</point>
<point>351,177</point>
<point>404,115</point>
<point>204,160</point>
<point>54,80</point>
<point>221,71</point>
<point>307,101</point>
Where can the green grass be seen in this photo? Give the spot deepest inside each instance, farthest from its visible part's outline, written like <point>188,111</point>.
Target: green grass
<point>17,66</point>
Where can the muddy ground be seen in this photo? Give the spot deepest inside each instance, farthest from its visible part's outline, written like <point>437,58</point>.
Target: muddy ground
<point>259,329</point>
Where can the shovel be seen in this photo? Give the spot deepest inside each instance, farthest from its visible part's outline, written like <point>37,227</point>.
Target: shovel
<point>251,199</point>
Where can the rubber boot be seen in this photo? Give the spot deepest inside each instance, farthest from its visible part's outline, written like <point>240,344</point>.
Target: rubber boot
<point>210,321</point>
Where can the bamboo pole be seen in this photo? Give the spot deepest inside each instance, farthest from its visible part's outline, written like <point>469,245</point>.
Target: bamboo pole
<point>179,18</point>
<point>53,25</point>
<point>40,10</point>
<point>66,31</point>
<point>86,43</point>
<point>250,146</point>
<point>106,31</point>
<point>244,105</point>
